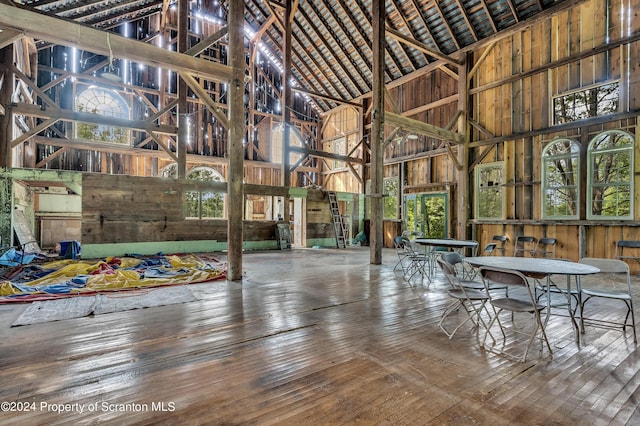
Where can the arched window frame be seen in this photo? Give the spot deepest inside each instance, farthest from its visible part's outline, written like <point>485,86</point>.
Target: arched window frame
<point>614,190</point>
<point>204,204</point>
<point>107,103</point>
<point>556,183</point>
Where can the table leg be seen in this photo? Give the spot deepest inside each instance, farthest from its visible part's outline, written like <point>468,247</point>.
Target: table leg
<point>574,323</point>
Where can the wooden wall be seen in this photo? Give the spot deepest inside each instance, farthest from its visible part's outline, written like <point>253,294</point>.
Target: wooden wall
<point>121,209</point>
<point>342,123</point>
<point>510,97</point>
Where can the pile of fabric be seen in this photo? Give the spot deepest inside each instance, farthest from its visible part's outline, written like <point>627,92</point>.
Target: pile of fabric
<point>64,278</point>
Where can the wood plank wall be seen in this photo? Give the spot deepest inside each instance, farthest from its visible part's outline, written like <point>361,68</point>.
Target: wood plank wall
<point>340,123</point>
<point>524,105</point>
<point>121,209</point>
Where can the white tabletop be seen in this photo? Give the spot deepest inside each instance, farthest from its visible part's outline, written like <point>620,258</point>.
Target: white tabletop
<point>533,265</point>
<point>446,243</point>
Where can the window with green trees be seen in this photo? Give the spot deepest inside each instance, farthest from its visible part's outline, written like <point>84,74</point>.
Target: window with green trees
<point>560,180</point>
<point>610,171</point>
<point>586,102</point>
<point>107,103</point>
<point>489,191</point>
<point>390,197</point>
<point>200,204</point>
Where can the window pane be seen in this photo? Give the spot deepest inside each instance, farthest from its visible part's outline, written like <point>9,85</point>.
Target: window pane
<point>611,174</point>
<point>560,185</point>
<point>391,197</point>
<point>592,102</point>
<point>489,179</point>
<point>191,203</point>
<point>212,205</point>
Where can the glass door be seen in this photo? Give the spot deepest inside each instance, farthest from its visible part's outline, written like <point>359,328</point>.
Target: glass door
<point>435,208</point>
<point>427,213</point>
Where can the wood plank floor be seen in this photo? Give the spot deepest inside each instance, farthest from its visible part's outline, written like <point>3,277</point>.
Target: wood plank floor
<point>309,337</point>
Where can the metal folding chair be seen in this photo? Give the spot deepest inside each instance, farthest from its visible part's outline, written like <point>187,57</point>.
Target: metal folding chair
<point>523,302</point>
<point>502,240</point>
<point>546,247</point>
<point>472,302</point>
<point>524,244</point>
<point>628,250</point>
<point>417,262</point>
<point>613,282</point>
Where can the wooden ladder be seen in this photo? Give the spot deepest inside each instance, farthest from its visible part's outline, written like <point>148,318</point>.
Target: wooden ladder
<point>336,218</point>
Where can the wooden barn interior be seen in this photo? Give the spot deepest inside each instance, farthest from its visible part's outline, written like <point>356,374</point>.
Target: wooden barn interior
<point>210,126</point>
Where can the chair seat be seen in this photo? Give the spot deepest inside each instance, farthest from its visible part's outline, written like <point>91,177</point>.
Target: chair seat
<point>607,294</point>
<point>468,294</point>
<point>516,305</point>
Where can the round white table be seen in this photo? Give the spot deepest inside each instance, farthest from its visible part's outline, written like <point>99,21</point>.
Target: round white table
<point>539,266</point>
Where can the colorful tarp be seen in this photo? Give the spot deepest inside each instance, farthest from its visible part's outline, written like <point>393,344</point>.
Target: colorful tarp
<point>64,278</point>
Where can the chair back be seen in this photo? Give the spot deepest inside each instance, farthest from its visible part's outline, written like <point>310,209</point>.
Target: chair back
<point>452,258</point>
<point>614,274</point>
<point>632,247</point>
<point>489,248</point>
<point>450,274</point>
<point>524,244</point>
<point>398,243</point>
<point>446,267</point>
<point>503,276</point>
<point>546,247</point>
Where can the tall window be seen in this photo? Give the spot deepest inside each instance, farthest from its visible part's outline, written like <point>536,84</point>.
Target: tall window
<point>391,197</point>
<point>489,191</point>
<point>107,103</point>
<point>560,180</point>
<point>204,204</point>
<point>610,170</point>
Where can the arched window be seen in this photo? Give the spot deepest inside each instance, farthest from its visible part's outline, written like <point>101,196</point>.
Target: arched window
<point>204,204</point>
<point>105,102</point>
<point>610,171</point>
<point>561,180</point>
<point>169,171</point>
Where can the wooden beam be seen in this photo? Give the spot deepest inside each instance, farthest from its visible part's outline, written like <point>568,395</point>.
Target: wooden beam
<point>71,34</point>
<point>422,128</point>
<point>206,99</point>
<point>164,146</point>
<point>7,37</point>
<point>481,59</point>
<point>236,131</point>
<point>323,96</point>
<point>31,133</point>
<point>378,117</point>
<point>204,44</point>
<point>421,46</point>
<point>33,86</point>
<point>324,154</point>
<point>86,117</point>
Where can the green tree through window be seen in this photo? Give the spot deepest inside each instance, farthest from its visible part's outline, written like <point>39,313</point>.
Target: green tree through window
<point>611,176</point>
<point>560,181</point>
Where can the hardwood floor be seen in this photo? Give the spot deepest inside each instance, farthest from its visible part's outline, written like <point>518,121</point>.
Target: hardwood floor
<point>309,337</point>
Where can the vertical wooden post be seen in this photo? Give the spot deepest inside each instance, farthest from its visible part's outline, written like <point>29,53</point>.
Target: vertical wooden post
<point>6,120</point>
<point>183,118</point>
<point>463,199</point>
<point>287,100</point>
<point>235,186</point>
<point>377,133</point>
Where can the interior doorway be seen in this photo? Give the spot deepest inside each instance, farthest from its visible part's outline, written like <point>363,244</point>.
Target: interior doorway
<point>427,213</point>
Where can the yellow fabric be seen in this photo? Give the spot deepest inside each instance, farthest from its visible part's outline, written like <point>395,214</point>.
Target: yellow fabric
<point>191,268</point>
<point>7,289</point>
